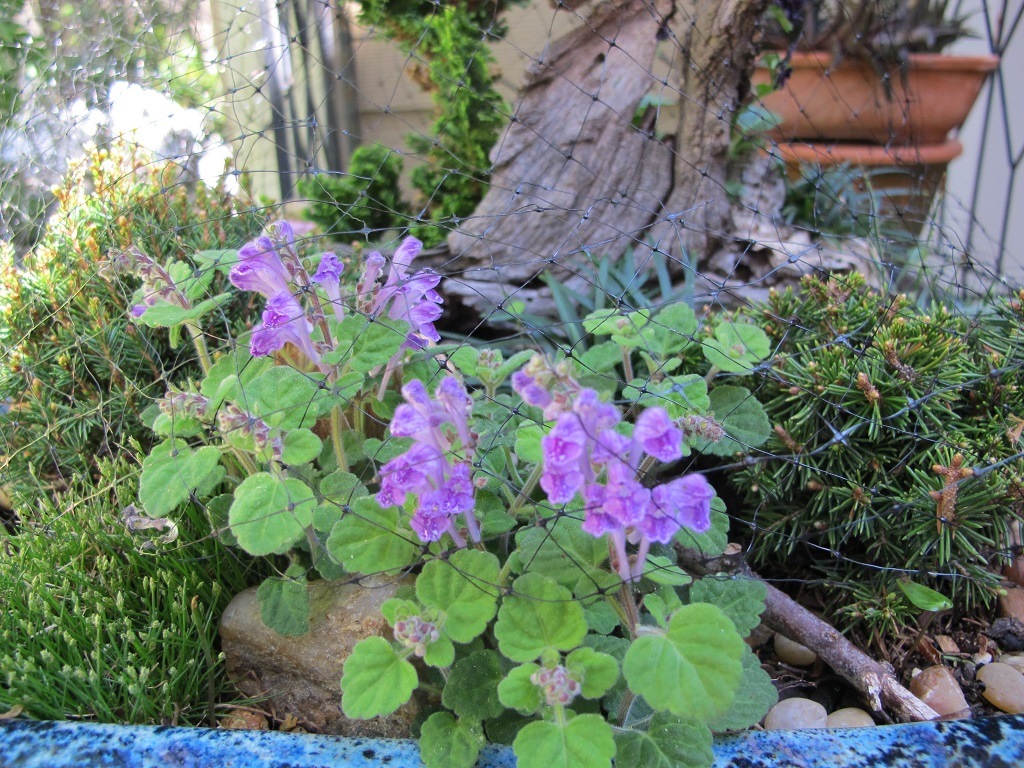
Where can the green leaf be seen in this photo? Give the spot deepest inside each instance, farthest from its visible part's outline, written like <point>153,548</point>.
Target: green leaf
<point>583,742</point>
<point>744,419</point>
<point>284,605</point>
<point>528,437</point>
<point>541,616</point>
<point>517,691</point>
<point>440,653</point>
<point>661,570</point>
<point>173,472</point>
<point>670,742</point>
<point>562,551</point>
<point>492,513</point>
<point>229,375</point>
<point>464,589</point>
<point>300,447</point>
<point>163,314</point>
<point>737,347</point>
<point>679,395</point>
<point>286,398</point>
<point>364,344</point>
<point>601,358</point>
<point>925,598</point>
<point>472,686</point>
<point>377,680</point>
<point>671,331</point>
<point>742,600</point>
<point>368,539</point>
<point>464,358</point>
<point>757,696</point>
<point>691,670</point>
<point>449,743</point>
<point>269,515</point>
<point>342,487</point>
<point>623,327</point>
<point>596,672</point>
<point>217,510</point>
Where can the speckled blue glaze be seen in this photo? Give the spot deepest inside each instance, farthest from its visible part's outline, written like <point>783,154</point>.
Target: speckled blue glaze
<point>983,743</point>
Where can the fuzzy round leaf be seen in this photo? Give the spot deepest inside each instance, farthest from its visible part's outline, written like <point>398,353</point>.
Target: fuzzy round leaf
<point>737,347</point>
<point>517,691</point>
<point>584,742</point>
<point>596,672</point>
<point>172,472</point>
<point>670,742</point>
<point>368,539</point>
<point>269,515</point>
<point>472,686</point>
<point>464,589</point>
<point>449,743</point>
<point>742,600</point>
<point>541,616</point>
<point>376,681</point>
<point>693,668</point>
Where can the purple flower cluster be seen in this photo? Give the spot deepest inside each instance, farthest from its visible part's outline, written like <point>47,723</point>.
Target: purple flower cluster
<point>584,454</point>
<point>411,298</point>
<point>268,265</point>
<point>441,482</point>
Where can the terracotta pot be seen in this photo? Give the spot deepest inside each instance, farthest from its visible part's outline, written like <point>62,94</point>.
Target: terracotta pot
<point>849,101</point>
<point>902,180</point>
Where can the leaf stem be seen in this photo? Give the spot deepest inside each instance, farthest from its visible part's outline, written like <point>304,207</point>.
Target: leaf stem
<point>527,489</point>
<point>337,423</point>
<point>199,342</point>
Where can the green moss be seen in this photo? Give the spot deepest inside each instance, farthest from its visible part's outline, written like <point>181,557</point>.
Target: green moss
<point>104,623</point>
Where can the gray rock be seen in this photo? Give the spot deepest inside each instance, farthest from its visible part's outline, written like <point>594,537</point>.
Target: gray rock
<point>301,676</point>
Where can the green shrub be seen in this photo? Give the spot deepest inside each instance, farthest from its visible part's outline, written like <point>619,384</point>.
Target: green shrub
<point>76,372</point>
<point>879,411</point>
<point>365,199</point>
<point>450,42</point>
<point>109,624</point>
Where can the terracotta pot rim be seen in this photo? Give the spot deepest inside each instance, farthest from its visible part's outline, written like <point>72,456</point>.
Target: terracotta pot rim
<point>868,155</point>
<point>938,62</point>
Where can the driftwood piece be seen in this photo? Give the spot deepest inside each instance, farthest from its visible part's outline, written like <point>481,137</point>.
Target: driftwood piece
<point>574,179</point>
<point>874,680</point>
<point>571,172</point>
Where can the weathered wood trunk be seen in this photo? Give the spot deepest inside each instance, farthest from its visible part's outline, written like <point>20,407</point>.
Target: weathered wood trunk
<point>574,179</point>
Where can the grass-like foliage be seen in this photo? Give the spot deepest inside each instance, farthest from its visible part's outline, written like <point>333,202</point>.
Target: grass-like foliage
<point>76,371</point>
<point>108,623</point>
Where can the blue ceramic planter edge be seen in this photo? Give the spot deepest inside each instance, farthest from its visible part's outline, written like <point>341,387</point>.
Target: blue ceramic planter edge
<point>996,742</point>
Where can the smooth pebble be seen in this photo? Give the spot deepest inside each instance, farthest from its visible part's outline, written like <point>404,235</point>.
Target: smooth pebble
<point>850,717</point>
<point>795,714</point>
<point>937,687</point>
<point>1015,660</point>
<point>1004,687</point>
<point>791,652</point>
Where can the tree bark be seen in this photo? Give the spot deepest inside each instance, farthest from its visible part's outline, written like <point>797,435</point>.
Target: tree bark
<point>574,179</point>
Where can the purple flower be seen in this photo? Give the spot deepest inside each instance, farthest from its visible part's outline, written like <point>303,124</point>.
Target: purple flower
<point>530,390</point>
<point>658,436</point>
<point>328,275</point>
<point>260,269</point>
<point>442,486</point>
<point>404,297</point>
<point>284,322</point>
<point>584,452</point>
<point>687,501</point>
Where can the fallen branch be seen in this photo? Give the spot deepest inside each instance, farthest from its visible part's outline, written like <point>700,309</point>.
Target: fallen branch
<point>783,614</point>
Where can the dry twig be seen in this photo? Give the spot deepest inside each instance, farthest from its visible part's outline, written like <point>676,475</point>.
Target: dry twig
<point>874,680</point>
